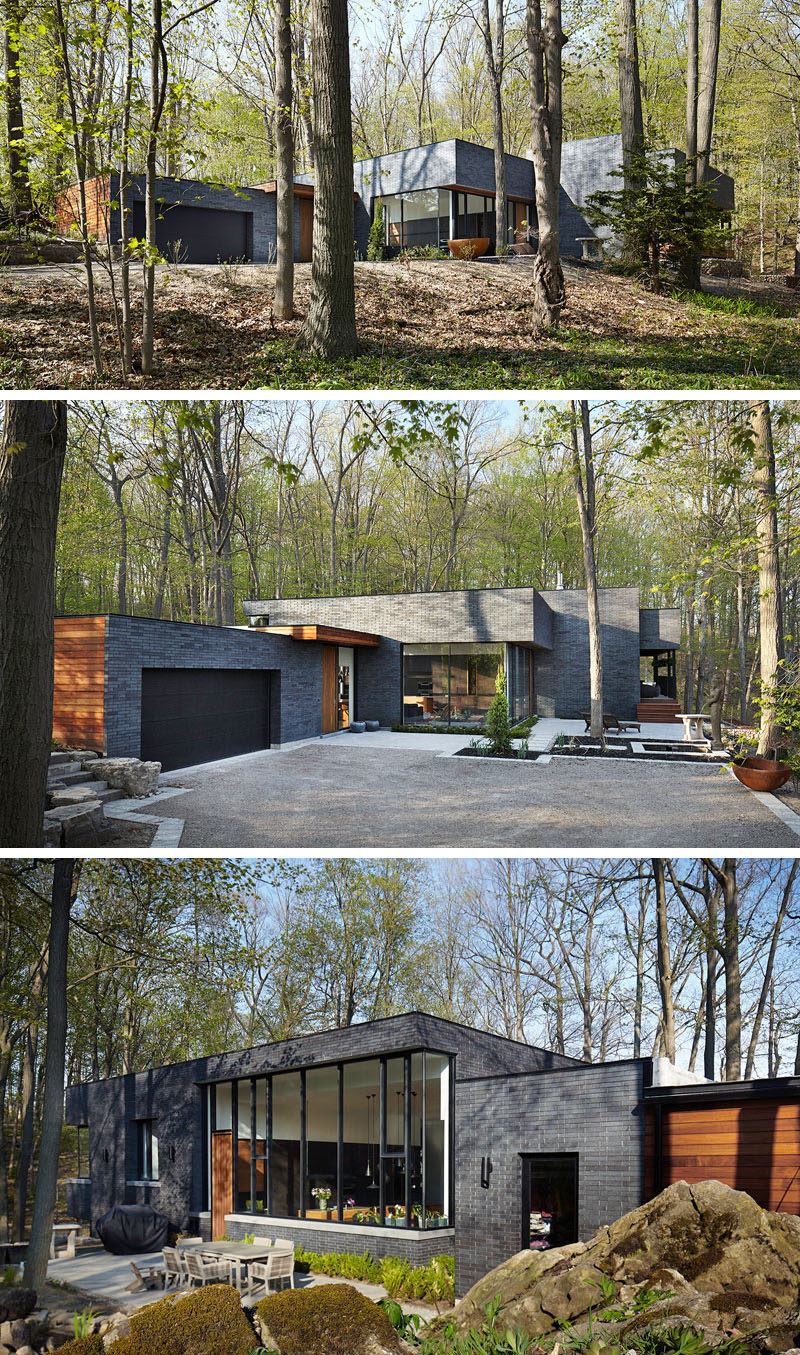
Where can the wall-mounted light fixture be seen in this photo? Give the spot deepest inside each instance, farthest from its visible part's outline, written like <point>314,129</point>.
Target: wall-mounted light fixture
<point>486,1171</point>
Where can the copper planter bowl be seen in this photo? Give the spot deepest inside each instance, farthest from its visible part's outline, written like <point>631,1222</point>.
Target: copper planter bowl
<point>468,249</point>
<point>761,773</point>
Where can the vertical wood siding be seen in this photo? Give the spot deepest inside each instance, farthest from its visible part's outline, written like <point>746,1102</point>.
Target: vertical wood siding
<point>78,677</point>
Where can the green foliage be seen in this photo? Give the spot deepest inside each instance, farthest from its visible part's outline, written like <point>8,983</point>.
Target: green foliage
<point>329,1319</point>
<point>210,1321</point>
<point>490,1338</point>
<point>498,726</point>
<point>376,245</point>
<point>82,1321</point>
<point>745,306</point>
<point>405,1324</point>
<point>433,1282</point>
<point>523,729</point>
<point>9,1275</point>
<point>85,1345</point>
<point>424,252</point>
<point>659,214</point>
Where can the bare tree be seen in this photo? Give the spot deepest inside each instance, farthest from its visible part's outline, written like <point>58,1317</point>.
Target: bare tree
<point>65,883</point>
<point>284,162</point>
<point>545,42</point>
<point>584,482</point>
<point>330,326</point>
<point>769,588</point>
<point>32,455</point>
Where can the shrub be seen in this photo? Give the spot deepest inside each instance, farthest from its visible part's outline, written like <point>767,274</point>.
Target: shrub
<point>85,1345</point>
<point>331,1319</point>
<point>434,1282</point>
<point>395,1276</point>
<point>208,1322</point>
<point>376,247</point>
<point>498,727</point>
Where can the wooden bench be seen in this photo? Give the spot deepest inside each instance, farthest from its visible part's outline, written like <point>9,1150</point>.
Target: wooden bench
<point>611,723</point>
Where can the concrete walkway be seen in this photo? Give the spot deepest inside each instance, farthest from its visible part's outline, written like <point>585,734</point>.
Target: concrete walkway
<point>106,1277</point>
<point>408,791</point>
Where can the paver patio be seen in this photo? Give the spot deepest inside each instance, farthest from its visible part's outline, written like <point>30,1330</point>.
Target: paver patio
<point>404,791</point>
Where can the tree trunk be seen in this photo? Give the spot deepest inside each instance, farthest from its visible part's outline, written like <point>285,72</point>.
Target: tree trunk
<point>495,59</point>
<point>769,593</point>
<point>712,944</point>
<point>20,198</point>
<point>630,89</point>
<point>284,162</point>
<point>707,85</point>
<point>664,962</point>
<point>31,465</point>
<point>65,882</point>
<point>585,497</point>
<point>29,1062</point>
<point>158,87</point>
<point>545,41</point>
<point>124,196</point>
<point>796,124</point>
<point>692,43</point>
<point>330,326</point>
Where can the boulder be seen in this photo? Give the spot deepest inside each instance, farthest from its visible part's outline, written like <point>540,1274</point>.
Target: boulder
<point>71,795</point>
<point>16,1302</point>
<point>136,778</point>
<point>83,824</point>
<point>713,1248</point>
<point>51,833</point>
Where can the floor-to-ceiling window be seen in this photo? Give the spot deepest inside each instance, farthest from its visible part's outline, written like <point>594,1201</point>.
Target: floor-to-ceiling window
<point>519,662</point>
<point>366,1142</point>
<point>420,217</point>
<point>454,684</point>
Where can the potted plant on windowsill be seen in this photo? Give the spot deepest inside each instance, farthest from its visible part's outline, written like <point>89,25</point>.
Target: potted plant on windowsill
<point>322,1195</point>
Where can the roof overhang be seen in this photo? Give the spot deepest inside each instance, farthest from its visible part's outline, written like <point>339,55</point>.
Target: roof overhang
<point>326,635</point>
<point>663,647</point>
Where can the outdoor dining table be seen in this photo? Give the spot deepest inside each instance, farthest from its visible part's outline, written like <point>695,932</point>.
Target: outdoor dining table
<point>242,1253</point>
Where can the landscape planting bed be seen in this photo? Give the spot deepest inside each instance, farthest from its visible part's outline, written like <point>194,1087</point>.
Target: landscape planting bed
<point>632,750</point>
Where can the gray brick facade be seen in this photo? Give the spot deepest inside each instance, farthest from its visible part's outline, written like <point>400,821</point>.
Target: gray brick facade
<point>407,1243</point>
<point>259,206</point>
<point>133,643</point>
<point>660,626</point>
<point>173,1097</point>
<point>555,623</point>
<point>593,1111</point>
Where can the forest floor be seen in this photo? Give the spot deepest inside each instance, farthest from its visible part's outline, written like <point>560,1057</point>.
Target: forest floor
<point>436,325</point>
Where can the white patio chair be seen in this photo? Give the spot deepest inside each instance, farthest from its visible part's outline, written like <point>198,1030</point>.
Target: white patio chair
<point>202,1270</point>
<point>262,1241</point>
<point>175,1267</point>
<point>275,1270</point>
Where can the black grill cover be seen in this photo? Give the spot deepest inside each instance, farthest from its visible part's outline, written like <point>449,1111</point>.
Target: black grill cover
<point>130,1228</point>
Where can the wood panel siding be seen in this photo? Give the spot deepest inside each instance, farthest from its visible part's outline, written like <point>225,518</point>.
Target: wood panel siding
<point>67,212</point>
<point>751,1145</point>
<point>79,681</point>
<point>221,1181</point>
<point>330,675</point>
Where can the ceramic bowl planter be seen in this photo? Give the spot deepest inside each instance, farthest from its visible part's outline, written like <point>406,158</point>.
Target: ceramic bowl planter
<point>761,773</point>
<point>468,249</point>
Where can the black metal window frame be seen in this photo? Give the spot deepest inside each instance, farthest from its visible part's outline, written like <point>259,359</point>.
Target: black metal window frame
<point>146,1136</point>
<point>526,1159</point>
<point>506,645</point>
<point>384,1154</point>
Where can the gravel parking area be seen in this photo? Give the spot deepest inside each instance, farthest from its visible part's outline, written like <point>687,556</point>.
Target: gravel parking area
<point>335,793</point>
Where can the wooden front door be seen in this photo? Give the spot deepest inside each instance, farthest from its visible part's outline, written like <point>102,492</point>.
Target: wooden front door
<point>306,228</point>
<point>221,1181</point>
<point>330,675</point>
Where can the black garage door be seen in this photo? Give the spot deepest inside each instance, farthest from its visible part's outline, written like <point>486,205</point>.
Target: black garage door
<point>206,234</point>
<point>194,715</point>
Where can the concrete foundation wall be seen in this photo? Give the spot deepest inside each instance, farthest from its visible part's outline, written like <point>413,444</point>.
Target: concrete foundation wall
<point>591,1111</point>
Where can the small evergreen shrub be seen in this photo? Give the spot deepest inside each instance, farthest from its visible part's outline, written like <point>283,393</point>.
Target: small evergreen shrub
<point>210,1321</point>
<point>85,1345</point>
<point>395,1276</point>
<point>498,726</point>
<point>330,1319</point>
<point>376,246</point>
<point>434,1283</point>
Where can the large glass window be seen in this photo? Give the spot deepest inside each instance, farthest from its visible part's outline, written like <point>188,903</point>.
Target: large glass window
<point>520,682</point>
<point>286,1175</point>
<point>416,218</point>
<point>437,1137</point>
<point>454,684</point>
<point>322,1137</point>
<point>366,1142</point>
<point>361,1141</point>
<point>147,1150</point>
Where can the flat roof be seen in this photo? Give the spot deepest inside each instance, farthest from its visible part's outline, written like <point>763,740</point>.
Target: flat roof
<point>334,635</point>
<point>754,1089</point>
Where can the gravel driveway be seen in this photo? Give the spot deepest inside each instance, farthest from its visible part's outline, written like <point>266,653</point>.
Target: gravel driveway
<point>338,794</point>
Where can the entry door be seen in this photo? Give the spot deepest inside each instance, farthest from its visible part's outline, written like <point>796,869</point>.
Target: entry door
<point>346,686</point>
<point>221,1181</point>
<point>549,1200</point>
<point>306,228</point>
<point>330,669</point>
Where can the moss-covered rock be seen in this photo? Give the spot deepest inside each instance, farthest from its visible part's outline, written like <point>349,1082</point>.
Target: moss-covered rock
<point>210,1321</point>
<point>84,1345</point>
<point>330,1319</point>
<point>699,1242</point>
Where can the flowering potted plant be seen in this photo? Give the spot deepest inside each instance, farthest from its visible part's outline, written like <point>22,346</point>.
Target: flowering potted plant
<point>322,1195</point>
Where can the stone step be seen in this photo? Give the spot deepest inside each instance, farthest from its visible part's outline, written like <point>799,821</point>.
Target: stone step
<point>68,776</point>
<point>80,825</point>
<point>102,791</point>
<point>56,759</point>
